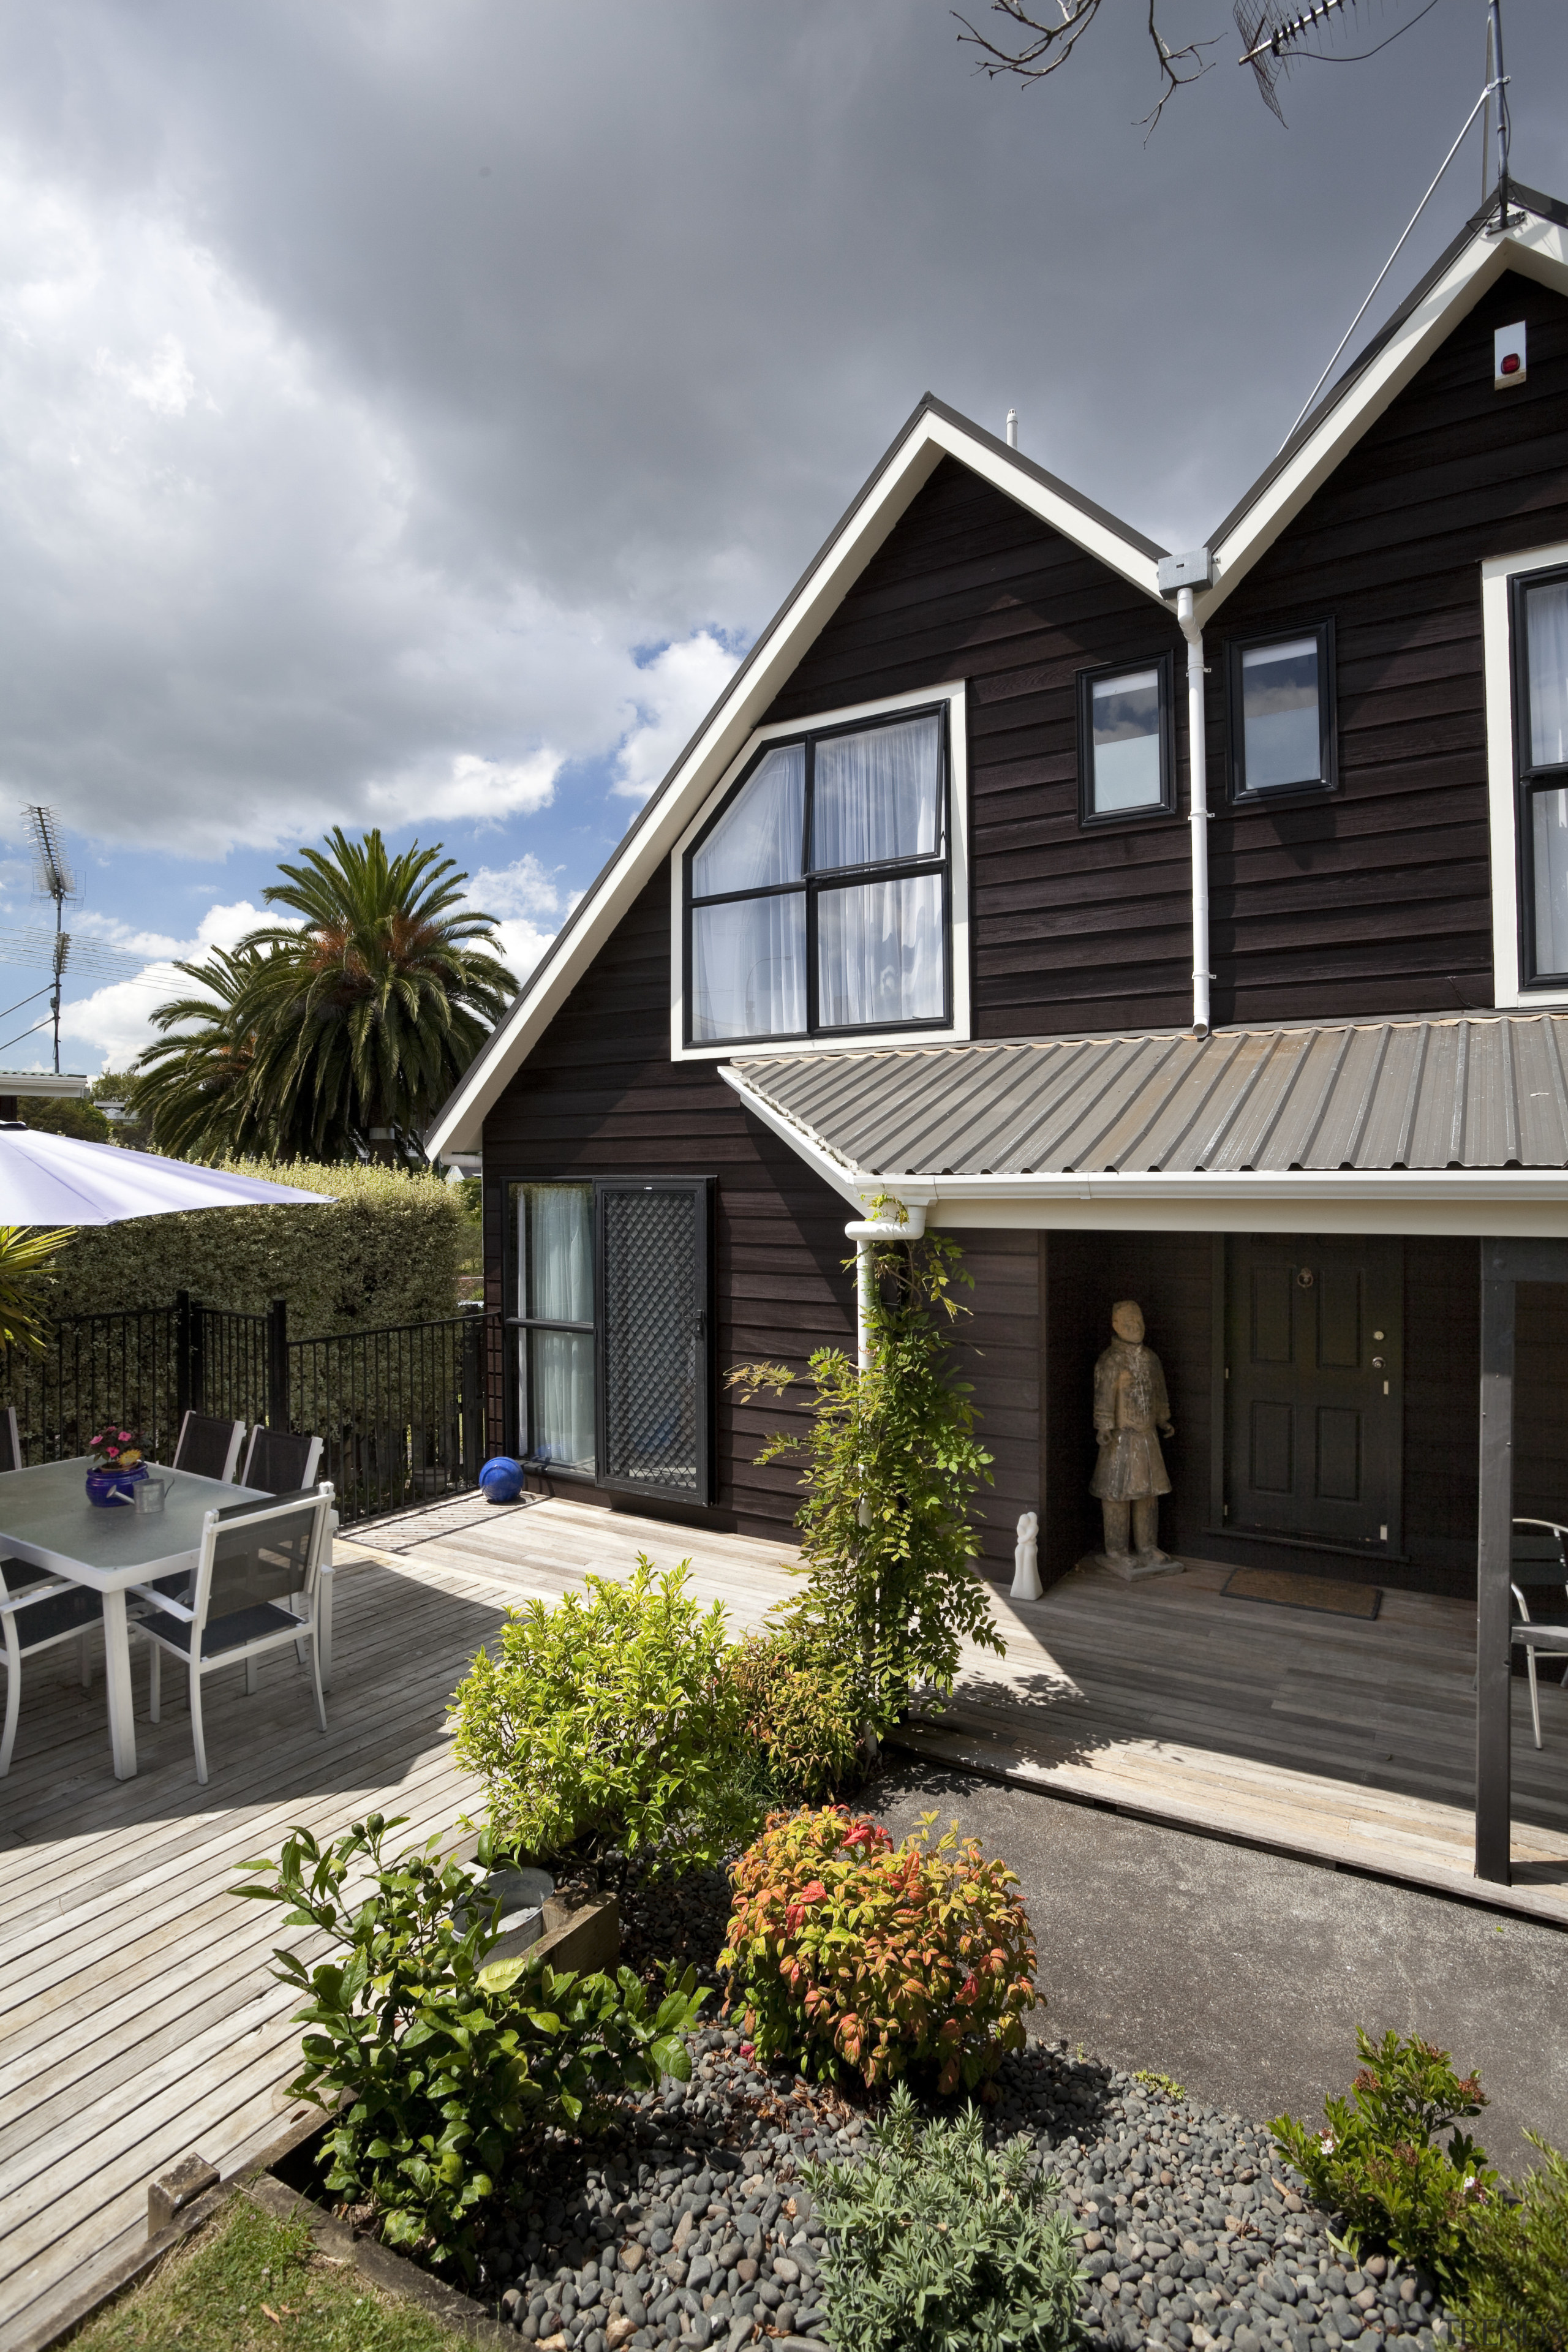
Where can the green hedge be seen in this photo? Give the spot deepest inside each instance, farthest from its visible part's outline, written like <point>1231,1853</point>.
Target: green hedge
<point>388,1249</point>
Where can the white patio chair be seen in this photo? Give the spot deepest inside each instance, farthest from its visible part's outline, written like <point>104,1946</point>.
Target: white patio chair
<point>254,1557</point>
<point>1544,1548</point>
<point>208,1447</point>
<point>35,1616</point>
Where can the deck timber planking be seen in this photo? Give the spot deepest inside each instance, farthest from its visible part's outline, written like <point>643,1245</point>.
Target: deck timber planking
<point>139,2018</point>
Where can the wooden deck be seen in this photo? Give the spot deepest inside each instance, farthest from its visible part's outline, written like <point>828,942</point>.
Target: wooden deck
<point>138,2016</point>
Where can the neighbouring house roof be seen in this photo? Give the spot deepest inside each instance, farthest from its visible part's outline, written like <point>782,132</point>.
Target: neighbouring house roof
<point>1537,247</point>
<point>1421,1107</point>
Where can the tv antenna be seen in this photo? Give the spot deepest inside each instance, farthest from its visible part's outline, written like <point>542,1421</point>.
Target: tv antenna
<point>1272,38</point>
<point>56,881</point>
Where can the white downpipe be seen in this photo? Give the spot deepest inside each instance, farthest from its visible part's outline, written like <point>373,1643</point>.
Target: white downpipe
<point>1198,815</point>
<point>864,1232</point>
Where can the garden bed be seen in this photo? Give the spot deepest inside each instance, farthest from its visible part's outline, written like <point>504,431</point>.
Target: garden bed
<point>686,2221</point>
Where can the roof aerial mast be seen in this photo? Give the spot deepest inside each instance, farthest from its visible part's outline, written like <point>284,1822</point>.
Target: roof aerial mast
<point>56,881</point>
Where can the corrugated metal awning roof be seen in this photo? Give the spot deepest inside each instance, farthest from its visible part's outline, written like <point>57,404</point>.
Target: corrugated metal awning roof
<point>1472,1092</point>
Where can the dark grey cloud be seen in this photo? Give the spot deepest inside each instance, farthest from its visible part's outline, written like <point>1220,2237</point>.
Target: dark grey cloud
<point>378,380</point>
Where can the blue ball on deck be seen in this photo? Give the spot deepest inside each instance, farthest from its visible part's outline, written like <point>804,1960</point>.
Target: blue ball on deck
<point>501,1479</point>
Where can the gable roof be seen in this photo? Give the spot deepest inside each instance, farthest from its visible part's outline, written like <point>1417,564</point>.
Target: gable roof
<point>933,432</point>
<point>1537,247</point>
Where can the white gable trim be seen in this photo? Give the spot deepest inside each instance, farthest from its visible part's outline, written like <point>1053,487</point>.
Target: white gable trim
<point>1537,249</point>
<point>932,435</point>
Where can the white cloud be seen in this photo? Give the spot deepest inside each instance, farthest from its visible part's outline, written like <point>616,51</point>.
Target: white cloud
<point>484,790</point>
<point>115,1021</point>
<point>523,896</point>
<point>674,691</point>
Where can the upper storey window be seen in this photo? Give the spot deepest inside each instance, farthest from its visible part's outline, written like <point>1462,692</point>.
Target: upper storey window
<point>1126,766</point>
<point>1282,714</point>
<point>817,898</point>
<point>1540,734</point>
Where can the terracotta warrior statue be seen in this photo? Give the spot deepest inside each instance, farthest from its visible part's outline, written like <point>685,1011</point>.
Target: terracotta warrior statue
<point>1129,1405</point>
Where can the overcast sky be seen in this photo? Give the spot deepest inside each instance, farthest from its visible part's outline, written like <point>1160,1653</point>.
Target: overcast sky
<point>409,413</point>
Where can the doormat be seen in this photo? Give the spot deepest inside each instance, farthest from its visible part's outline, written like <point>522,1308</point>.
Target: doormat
<point>1321,1593</point>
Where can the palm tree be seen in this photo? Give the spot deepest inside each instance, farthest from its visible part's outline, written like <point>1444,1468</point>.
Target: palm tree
<point>191,1086</point>
<point>346,1031</point>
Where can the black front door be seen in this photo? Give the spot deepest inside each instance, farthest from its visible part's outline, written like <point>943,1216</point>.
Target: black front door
<point>1313,1410</point>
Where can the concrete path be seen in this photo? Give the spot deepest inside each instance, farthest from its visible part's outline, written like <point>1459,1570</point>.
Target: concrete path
<point>1244,1975</point>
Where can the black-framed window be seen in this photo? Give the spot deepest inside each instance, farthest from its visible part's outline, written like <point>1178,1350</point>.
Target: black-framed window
<point>818,896</point>
<point>609,1284</point>
<point>1538,636</point>
<point>1283,731</point>
<point>1126,748</point>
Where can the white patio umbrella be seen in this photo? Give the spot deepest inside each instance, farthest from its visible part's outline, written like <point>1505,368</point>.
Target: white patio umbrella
<point>56,1180</point>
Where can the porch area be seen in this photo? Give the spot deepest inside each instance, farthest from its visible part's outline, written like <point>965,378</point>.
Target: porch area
<point>139,2019</point>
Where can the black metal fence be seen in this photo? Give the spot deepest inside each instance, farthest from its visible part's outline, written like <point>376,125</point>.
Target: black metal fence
<point>400,1410</point>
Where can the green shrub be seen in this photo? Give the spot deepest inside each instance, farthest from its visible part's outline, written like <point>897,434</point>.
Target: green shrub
<point>1518,2294</point>
<point>802,1710</point>
<point>59,1115</point>
<point>937,2244</point>
<point>1378,2164</point>
<point>848,1951</point>
<point>387,1249</point>
<point>448,2064</point>
<point>608,1725</point>
<point>891,1468</point>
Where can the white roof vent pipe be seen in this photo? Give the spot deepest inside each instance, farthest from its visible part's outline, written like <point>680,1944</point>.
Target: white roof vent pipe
<point>1012,428</point>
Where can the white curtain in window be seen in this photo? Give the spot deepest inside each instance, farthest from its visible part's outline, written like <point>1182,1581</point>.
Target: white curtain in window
<point>879,953</point>
<point>557,1252</point>
<point>878,796</point>
<point>560,1370</point>
<point>1548,616</point>
<point>748,968</point>
<point>759,839</point>
<point>1283,743</point>
<point>1549,811</point>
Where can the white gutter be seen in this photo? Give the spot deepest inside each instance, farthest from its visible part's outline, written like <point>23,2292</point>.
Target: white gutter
<point>1198,814</point>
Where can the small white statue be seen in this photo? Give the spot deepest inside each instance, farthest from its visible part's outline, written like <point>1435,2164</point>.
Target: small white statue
<point>1026,1585</point>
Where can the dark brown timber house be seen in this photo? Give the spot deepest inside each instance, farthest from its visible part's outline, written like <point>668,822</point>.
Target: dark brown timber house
<point>939,904</point>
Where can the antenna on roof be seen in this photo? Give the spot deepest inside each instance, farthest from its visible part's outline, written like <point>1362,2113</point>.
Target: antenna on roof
<point>1272,38</point>
<point>56,881</point>
<point>1012,428</point>
<point>1496,85</point>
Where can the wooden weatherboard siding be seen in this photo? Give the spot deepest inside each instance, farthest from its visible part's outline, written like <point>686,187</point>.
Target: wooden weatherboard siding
<point>599,1096</point>
<point>1373,899</point>
<point>1377,900</point>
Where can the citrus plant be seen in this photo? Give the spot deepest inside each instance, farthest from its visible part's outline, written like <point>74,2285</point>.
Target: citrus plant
<point>440,2068</point>
<point>847,1952</point>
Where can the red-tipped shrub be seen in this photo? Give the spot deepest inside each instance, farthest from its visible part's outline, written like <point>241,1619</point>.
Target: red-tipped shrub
<point>848,1951</point>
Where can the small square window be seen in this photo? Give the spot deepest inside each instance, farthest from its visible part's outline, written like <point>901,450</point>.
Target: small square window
<point>1126,763</point>
<point>1282,714</point>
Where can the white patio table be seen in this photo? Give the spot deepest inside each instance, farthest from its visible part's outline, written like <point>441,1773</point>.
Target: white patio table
<point>46,1520</point>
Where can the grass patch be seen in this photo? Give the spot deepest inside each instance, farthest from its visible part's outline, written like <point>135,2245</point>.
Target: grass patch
<point>249,2283</point>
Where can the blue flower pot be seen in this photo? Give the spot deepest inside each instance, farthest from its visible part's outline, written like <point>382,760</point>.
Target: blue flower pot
<point>106,1487</point>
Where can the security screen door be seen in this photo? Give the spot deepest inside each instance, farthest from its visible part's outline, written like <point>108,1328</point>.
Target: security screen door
<point>654,1400</point>
<point>1314,1417</point>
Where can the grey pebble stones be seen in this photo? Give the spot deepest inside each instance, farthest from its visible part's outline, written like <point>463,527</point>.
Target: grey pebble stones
<point>691,2225</point>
